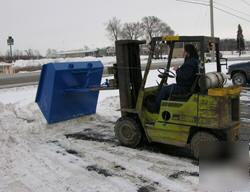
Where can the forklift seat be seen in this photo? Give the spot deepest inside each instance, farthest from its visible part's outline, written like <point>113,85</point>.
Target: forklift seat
<point>149,103</point>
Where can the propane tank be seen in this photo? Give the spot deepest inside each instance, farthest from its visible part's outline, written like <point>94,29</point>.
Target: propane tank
<point>212,80</point>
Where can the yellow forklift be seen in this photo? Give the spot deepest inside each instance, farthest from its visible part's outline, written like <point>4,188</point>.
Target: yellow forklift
<point>209,114</point>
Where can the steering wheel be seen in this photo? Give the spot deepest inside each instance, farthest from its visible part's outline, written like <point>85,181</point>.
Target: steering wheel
<point>165,73</point>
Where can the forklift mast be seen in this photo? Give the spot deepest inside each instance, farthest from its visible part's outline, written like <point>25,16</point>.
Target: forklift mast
<point>129,74</point>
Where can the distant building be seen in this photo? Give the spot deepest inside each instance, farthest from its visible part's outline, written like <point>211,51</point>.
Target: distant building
<point>79,53</point>
<point>110,51</point>
<point>107,51</point>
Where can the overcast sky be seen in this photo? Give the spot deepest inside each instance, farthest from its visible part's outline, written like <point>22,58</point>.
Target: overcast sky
<point>71,24</point>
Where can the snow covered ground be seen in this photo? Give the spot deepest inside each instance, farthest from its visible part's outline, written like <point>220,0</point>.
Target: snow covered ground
<point>82,154</point>
<point>105,60</point>
<point>39,157</point>
<point>230,54</point>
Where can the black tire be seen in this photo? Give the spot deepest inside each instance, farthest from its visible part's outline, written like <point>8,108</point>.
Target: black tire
<point>128,131</point>
<point>239,79</point>
<point>204,145</point>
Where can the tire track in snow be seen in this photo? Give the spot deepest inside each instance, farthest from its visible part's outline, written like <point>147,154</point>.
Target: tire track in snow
<point>134,161</point>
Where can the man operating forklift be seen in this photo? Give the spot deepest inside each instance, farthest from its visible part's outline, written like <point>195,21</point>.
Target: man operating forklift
<point>197,112</point>
<point>185,78</point>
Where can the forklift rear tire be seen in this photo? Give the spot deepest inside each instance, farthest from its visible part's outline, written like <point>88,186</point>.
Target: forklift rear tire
<point>204,145</point>
<point>128,131</point>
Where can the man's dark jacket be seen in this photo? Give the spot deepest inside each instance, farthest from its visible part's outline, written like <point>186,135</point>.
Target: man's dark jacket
<point>186,74</point>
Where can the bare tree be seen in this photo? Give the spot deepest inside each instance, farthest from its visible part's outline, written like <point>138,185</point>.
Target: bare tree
<point>153,27</point>
<point>7,54</point>
<point>29,53</point>
<point>37,54</point>
<point>51,53</point>
<point>86,47</point>
<point>32,54</point>
<point>48,53</point>
<point>113,27</point>
<point>165,29</point>
<point>228,44</point>
<point>18,54</point>
<point>132,30</point>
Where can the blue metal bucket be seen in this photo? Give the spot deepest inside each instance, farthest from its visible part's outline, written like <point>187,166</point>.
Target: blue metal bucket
<point>64,90</point>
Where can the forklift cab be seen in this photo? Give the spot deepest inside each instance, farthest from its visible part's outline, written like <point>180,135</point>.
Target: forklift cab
<point>203,45</point>
<point>206,115</point>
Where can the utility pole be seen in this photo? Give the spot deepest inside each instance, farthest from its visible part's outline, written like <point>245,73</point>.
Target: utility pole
<point>212,26</point>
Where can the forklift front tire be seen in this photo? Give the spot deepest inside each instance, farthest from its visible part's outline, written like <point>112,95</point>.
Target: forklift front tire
<point>128,132</point>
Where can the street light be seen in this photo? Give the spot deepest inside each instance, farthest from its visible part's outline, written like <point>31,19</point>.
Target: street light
<point>10,42</point>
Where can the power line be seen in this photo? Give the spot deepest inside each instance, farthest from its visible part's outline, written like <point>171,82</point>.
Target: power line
<point>232,14</point>
<point>204,1</point>
<point>194,2</point>
<point>222,4</point>
<point>218,8</point>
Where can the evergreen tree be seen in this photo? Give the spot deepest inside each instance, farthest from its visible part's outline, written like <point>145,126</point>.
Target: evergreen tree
<point>240,40</point>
